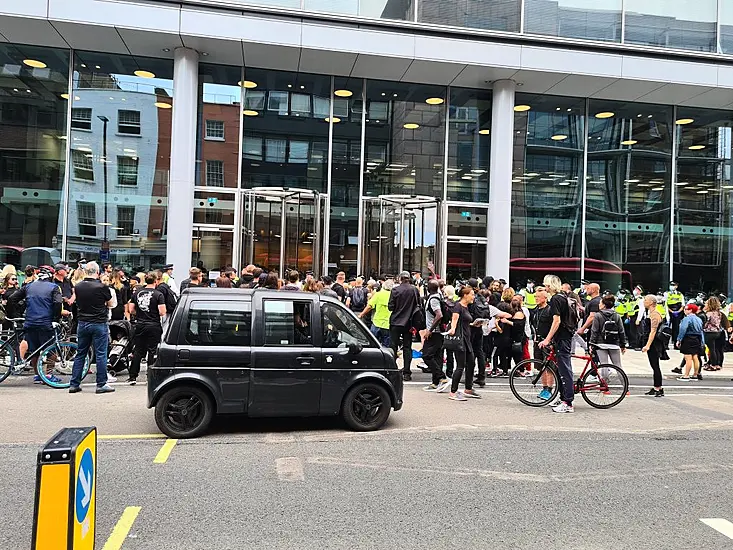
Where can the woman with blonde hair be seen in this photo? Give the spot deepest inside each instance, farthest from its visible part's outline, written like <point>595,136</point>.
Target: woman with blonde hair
<point>508,295</point>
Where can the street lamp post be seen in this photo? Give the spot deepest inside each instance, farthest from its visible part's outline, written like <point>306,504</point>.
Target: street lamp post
<point>105,120</point>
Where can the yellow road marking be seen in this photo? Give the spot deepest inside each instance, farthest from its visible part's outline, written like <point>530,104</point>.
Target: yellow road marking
<point>132,436</point>
<point>122,528</point>
<point>165,451</point>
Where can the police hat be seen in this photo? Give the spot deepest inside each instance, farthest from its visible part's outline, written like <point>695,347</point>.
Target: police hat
<point>473,282</point>
<point>166,267</point>
<point>673,283</point>
<point>502,281</point>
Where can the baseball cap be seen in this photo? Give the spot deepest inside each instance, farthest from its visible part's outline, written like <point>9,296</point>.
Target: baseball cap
<point>60,266</point>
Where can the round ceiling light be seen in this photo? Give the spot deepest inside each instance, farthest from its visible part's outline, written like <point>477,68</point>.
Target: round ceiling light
<point>144,74</point>
<point>34,63</point>
<point>484,132</point>
<point>605,114</point>
<point>163,105</point>
<point>335,119</point>
<point>629,142</point>
<point>521,108</point>
<point>64,96</point>
<point>696,147</point>
<point>703,192</point>
<point>343,93</point>
<point>559,137</point>
<point>247,84</point>
<point>411,126</point>
<point>250,112</point>
<point>684,121</point>
<point>434,100</point>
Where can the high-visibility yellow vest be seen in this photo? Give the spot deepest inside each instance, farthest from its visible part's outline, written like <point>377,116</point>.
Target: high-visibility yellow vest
<point>620,307</point>
<point>676,300</point>
<point>662,309</point>
<point>529,298</point>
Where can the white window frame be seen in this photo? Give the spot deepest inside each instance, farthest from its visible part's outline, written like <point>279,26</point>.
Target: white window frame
<point>210,172</point>
<point>123,170</point>
<point>123,127</point>
<point>214,130</point>
<point>82,163</point>
<point>81,123</point>
<point>83,208</point>
<point>131,222</point>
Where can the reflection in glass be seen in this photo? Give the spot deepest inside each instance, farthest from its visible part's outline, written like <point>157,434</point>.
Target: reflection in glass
<point>469,143</point>
<point>629,193</point>
<point>379,9</point>
<point>672,23</point>
<point>120,142</point>
<point>344,221</point>
<point>467,221</point>
<point>726,27</point>
<point>212,248</point>
<point>465,260</point>
<point>285,142</point>
<point>32,153</point>
<point>213,209</point>
<point>405,139</point>
<point>546,188</point>
<point>599,20</point>
<point>499,15</point>
<point>218,126</point>
<point>703,216</point>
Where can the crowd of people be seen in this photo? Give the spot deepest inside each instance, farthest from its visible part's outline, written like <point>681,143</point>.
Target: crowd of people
<point>472,330</point>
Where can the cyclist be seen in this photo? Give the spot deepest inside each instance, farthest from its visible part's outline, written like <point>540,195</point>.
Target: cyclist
<point>562,334</point>
<point>43,306</point>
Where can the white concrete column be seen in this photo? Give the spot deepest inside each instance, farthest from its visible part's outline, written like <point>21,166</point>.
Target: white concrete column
<point>500,172</point>
<point>183,161</point>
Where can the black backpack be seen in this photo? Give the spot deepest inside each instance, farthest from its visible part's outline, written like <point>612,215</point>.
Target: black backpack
<point>572,316</point>
<point>358,299</point>
<point>610,331</point>
<point>445,310</point>
<point>479,308</point>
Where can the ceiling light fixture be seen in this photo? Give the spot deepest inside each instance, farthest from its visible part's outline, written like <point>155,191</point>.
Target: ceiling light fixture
<point>703,192</point>
<point>629,142</point>
<point>343,93</point>
<point>64,96</point>
<point>684,121</point>
<point>605,114</point>
<point>484,132</point>
<point>34,63</point>
<point>434,100</point>
<point>559,137</point>
<point>521,108</point>
<point>250,112</point>
<point>335,119</point>
<point>247,84</point>
<point>696,147</point>
<point>657,188</point>
<point>411,126</point>
<point>564,183</point>
<point>144,74</point>
<point>163,105</point>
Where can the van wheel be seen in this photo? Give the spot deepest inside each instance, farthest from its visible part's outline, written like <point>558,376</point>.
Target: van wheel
<point>184,411</point>
<point>366,407</point>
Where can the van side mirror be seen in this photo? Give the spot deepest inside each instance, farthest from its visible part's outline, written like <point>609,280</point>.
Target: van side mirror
<point>355,348</point>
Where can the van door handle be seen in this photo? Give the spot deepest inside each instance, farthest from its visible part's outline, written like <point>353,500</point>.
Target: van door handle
<point>305,359</point>
<point>184,355</point>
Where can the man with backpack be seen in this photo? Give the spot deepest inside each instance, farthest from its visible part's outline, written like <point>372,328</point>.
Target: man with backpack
<point>607,333</point>
<point>436,315</point>
<point>358,296</point>
<point>565,313</point>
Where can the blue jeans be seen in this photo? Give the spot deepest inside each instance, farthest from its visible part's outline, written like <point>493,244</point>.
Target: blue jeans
<point>562,351</point>
<point>89,334</point>
<point>382,335</point>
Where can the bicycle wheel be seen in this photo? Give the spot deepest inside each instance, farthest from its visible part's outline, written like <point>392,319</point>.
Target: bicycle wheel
<point>7,361</point>
<point>605,388</point>
<point>535,383</point>
<point>56,362</point>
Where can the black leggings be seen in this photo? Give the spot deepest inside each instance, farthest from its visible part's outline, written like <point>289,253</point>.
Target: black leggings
<point>653,357</point>
<point>464,361</point>
<point>715,341</point>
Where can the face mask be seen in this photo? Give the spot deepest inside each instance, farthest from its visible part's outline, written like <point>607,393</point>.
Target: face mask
<point>637,293</point>
<point>530,287</point>
<point>672,288</point>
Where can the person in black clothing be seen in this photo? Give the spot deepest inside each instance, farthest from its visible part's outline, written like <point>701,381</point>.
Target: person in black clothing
<point>358,296</point>
<point>94,300</point>
<point>195,278</point>
<point>541,320</point>
<point>168,295</point>
<point>432,348</point>
<point>13,310</point>
<point>148,304</point>
<point>402,303</point>
<point>338,287</point>
<point>515,327</point>
<point>61,280</point>
<point>461,323</point>
<point>478,310</point>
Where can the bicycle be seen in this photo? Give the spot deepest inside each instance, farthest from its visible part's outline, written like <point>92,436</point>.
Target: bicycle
<point>55,358</point>
<point>536,382</point>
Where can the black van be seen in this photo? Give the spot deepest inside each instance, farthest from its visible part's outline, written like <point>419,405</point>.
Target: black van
<point>266,353</point>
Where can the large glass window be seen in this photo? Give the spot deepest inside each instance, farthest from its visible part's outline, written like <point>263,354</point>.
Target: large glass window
<point>33,110</point>
<point>344,224</point>
<point>219,324</point>
<point>405,139</point>
<point>500,15</point>
<point>469,145</point>
<point>287,323</point>
<point>125,158</point>
<point>726,27</point>
<point>597,20</point>
<point>218,132</point>
<point>686,24</point>
<point>549,137</point>
<point>703,213</point>
<point>286,119</point>
<point>379,9</point>
<point>629,193</point>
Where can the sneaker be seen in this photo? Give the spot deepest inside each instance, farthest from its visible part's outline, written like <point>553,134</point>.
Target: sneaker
<point>472,393</point>
<point>406,377</point>
<point>458,396</point>
<point>131,381</point>
<point>683,378</point>
<point>480,383</point>
<point>677,370</point>
<point>431,387</point>
<point>556,402</point>
<point>606,392</point>
<point>74,389</point>
<point>37,380</point>
<point>54,379</point>
<point>105,389</point>
<point>563,408</point>
<point>111,377</point>
<point>443,387</point>
<point>651,392</point>
<point>699,376</point>
<point>659,393</point>
<point>545,394</point>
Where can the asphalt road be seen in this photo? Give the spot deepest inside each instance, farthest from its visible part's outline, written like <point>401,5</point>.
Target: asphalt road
<point>489,473</point>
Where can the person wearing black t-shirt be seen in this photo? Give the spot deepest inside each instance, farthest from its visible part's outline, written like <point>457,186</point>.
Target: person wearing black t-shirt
<point>148,305</point>
<point>561,336</point>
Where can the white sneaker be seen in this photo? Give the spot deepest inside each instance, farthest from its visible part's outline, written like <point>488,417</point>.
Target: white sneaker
<point>111,378</point>
<point>443,387</point>
<point>556,402</point>
<point>563,408</point>
<point>458,396</point>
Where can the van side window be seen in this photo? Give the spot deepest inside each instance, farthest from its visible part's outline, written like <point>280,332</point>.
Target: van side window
<point>219,323</point>
<point>287,323</point>
<point>341,329</point>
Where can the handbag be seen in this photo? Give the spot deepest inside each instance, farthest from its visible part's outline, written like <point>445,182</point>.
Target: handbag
<point>517,347</point>
<point>453,342</point>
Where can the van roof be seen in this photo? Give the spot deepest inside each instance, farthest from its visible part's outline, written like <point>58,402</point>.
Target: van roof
<point>214,291</point>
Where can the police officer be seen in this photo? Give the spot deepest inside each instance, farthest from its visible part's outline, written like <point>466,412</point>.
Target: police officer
<point>582,291</point>
<point>675,301</point>
<point>638,312</point>
<point>530,300</point>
